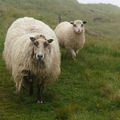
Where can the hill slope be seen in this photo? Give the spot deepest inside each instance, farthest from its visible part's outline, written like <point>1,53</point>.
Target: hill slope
<point>88,88</point>
<point>101,18</point>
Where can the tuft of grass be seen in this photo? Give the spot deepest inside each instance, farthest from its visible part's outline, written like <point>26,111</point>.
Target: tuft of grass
<point>106,90</point>
<point>65,112</point>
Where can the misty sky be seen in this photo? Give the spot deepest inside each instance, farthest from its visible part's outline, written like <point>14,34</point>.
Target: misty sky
<point>115,2</point>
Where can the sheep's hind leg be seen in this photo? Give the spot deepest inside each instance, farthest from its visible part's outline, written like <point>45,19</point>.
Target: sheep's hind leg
<point>40,92</point>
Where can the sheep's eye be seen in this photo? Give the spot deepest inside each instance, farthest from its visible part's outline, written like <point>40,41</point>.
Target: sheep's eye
<point>74,25</point>
<point>36,43</point>
<point>45,44</point>
<point>82,25</point>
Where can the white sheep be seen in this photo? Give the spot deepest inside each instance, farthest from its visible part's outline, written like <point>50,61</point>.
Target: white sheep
<point>71,36</point>
<point>31,50</point>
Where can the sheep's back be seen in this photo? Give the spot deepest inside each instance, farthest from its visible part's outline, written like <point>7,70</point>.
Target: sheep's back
<point>26,27</point>
<point>64,32</point>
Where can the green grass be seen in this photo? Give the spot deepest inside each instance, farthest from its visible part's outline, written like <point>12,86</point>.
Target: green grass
<point>88,88</point>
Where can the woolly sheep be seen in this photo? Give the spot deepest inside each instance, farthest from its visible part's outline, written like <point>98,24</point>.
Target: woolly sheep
<point>71,36</point>
<point>31,50</point>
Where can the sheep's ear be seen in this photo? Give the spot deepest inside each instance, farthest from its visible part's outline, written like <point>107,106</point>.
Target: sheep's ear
<point>72,22</point>
<point>50,40</point>
<point>84,22</point>
<point>32,39</point>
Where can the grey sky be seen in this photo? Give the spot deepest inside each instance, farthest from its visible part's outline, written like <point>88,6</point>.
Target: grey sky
<point>114,2</point>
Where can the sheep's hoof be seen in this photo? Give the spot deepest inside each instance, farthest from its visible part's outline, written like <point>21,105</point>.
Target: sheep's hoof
<point>74,58</point>
<point>39,101</point>
<point>16,92</point>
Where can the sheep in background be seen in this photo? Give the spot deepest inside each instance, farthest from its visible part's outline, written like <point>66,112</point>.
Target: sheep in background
<point>71,36</point>
<point>31,50</point>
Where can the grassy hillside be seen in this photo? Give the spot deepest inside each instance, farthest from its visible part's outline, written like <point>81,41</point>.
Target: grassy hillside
<point>88,88</point>
<point>43,9</point>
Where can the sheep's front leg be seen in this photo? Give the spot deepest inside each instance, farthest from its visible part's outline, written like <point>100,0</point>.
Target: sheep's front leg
<point>40,92</point>
<point>18,86</point>
<point>28,83</point>
<point>31,87</point>
<point>28,78</point>
<point>31,78</point>
<point>73,54</point>
<point>77,52</point>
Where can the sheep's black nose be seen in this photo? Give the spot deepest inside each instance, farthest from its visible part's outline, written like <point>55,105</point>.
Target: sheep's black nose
<point>39,56</point>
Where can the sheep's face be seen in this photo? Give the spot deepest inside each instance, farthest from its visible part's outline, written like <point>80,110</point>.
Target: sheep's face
<point>78,26</point>
<point>41,48</point>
